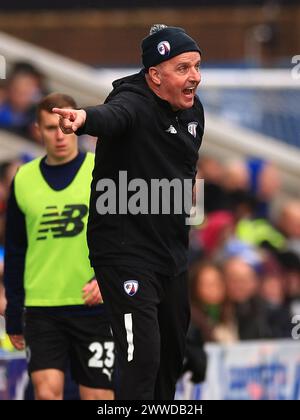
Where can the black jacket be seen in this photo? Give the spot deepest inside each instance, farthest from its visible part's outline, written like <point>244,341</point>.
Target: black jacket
<point>140,133</point>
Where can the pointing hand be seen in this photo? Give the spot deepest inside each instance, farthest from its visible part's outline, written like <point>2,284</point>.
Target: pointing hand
<point>70,119</point>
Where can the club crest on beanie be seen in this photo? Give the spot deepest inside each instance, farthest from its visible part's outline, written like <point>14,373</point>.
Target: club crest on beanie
<point>164,43</point>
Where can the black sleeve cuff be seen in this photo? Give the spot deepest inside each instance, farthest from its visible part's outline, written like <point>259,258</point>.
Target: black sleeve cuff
<point>14,324</point>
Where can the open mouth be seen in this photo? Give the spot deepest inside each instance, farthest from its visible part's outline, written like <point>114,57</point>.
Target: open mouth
<point>189,92</point>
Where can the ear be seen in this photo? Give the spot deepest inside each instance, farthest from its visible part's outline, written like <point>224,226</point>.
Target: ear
<point>155,75</point>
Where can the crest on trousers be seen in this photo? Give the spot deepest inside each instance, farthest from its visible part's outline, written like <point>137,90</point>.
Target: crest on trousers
<point>131,287</point>
<point>192,127</point>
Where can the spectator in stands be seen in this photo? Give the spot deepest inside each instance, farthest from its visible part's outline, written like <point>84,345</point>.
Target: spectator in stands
<point>277,311</point>
<point>211,312</point>
<point>218,226</point>
<point>289,223</point>
<point>47,268</point>
<point>24,89</point>
<point>249,311</point>
<point>257,178</point>
<point>264,184</point>
<point>235,176</point>
<point>290,263</point>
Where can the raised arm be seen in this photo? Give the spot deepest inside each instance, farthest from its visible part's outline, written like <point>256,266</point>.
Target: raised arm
<point>111,119</point>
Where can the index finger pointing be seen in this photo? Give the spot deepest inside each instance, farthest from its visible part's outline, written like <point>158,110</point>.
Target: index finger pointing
<point>65,113</point>
<point>59,111</point>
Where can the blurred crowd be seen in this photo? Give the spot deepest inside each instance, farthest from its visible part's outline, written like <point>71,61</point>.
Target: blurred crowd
<point>19,95</point>
<point>245,258</point>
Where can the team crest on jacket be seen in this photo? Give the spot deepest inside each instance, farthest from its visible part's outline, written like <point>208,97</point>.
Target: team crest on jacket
<point>164,48</point>
<point>131,287</point>
<point>171,130</point>
<point>192,127</point>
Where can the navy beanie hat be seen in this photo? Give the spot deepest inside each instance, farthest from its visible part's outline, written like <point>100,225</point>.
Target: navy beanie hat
<point>166,43</point>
